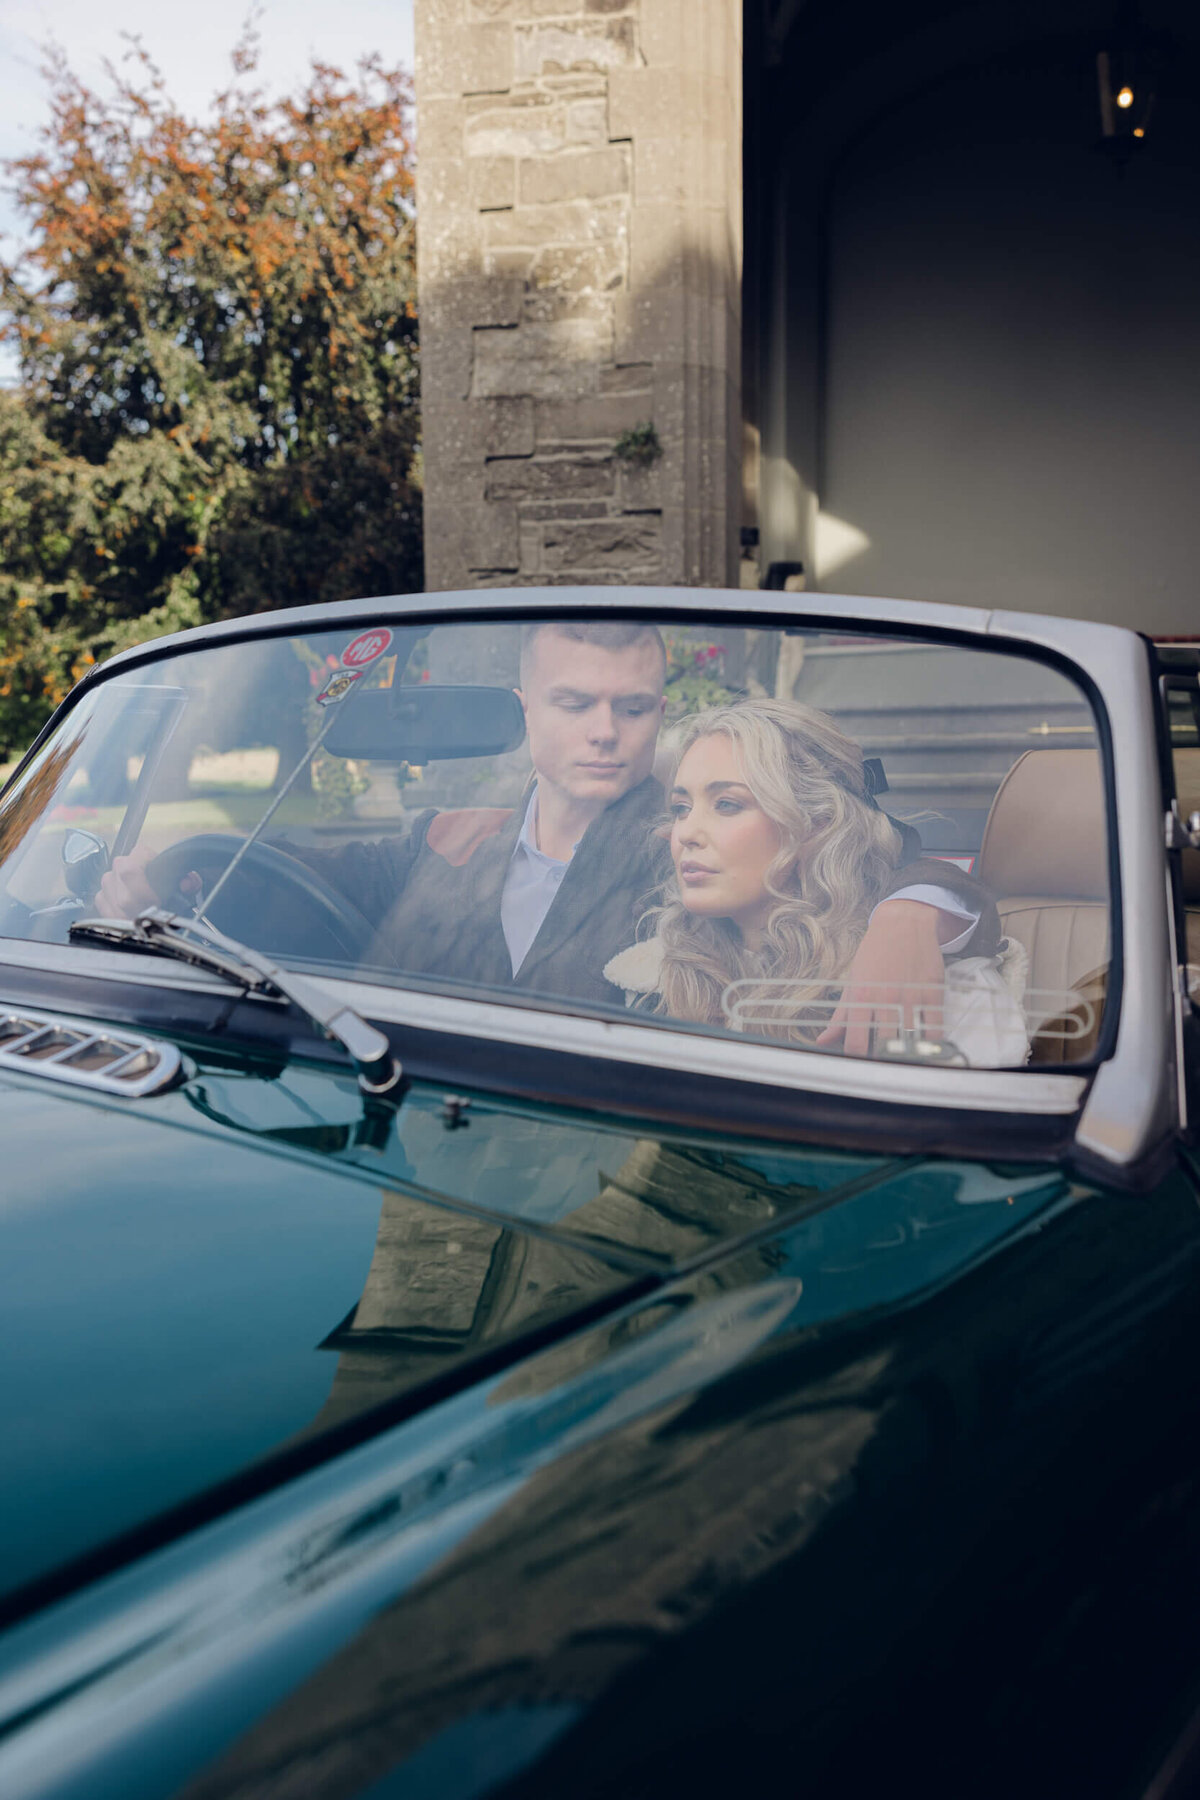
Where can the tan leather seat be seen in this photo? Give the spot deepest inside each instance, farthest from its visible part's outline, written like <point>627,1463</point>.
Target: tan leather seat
<point>1187,787</point>
<point>1045,858</point>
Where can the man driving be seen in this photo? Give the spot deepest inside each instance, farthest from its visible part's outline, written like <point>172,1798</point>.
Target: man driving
<point>541,898</point>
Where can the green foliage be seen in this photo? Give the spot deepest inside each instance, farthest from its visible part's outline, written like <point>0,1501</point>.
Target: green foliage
<point>639,445</point>
<point>695,676</point>
<point>338,781</point>
<point>47,506</point>
<point>217,340</point>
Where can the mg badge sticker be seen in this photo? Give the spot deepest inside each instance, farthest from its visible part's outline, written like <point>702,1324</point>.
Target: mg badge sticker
<point>366,648</point>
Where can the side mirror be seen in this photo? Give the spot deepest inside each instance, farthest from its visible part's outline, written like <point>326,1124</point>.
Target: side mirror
<point>85,862</point>
<point>422,723</point>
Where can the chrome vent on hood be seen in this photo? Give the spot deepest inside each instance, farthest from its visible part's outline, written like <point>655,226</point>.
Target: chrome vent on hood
<point>86,1055</point>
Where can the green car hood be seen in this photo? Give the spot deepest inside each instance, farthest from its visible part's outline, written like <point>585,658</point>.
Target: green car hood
<point>201,1280</point>
<point>175,1287</point>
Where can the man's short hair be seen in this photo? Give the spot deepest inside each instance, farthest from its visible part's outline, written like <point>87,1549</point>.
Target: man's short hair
<point>607,634</point>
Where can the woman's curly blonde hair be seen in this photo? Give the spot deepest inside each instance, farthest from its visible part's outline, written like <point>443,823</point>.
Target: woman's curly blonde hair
<point>837,851</point>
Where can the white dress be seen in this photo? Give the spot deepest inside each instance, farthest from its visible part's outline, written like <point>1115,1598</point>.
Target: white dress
<point>984,1016</point>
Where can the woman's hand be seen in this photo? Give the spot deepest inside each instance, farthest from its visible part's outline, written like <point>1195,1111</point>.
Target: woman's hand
<point>895,980</point>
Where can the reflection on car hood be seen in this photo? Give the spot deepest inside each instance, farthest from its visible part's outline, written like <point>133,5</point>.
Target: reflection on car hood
<point>198,1280</point>
<point>178,1304</point>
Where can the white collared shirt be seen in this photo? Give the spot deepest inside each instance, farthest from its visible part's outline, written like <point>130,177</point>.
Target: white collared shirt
<point>534,878</point>
<point>532,881</point>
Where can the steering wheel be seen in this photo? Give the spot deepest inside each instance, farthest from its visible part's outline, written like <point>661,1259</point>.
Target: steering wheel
<point>272,901</point>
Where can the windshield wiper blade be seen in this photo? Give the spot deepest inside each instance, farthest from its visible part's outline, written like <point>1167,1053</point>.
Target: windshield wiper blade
<point>204,946</point>
<point>145,932</point>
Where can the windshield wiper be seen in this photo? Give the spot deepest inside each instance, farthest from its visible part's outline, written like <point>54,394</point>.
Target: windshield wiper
<point>187,940</point>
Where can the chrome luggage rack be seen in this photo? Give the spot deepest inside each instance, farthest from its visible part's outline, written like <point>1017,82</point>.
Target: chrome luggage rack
<point>84,1054</point>
<point>1053,1015</point>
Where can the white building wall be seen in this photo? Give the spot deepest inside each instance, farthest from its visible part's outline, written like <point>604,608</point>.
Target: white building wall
<point>1008,407</point>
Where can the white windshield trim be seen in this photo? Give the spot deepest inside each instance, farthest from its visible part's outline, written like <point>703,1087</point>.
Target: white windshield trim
<point>986,1090</point>
<point>1030,1091</point>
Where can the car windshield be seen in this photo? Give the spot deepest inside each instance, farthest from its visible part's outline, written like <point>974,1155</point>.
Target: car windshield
<point>852,843</point>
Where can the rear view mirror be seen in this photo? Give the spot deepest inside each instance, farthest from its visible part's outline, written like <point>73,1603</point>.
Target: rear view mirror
<point>423,723</point>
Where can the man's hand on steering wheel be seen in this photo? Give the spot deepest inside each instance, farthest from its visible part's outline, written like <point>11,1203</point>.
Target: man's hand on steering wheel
<point>275,900</point>
<point>125,888</point>
<point>896,979</point>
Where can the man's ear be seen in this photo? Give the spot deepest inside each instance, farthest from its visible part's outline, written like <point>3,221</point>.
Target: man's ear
<point>522,699</point>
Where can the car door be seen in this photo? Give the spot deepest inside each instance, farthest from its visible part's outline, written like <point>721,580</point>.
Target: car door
<point>1179,688</point>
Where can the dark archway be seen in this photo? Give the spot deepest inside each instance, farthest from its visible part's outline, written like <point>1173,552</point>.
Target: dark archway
<point>973,342</point>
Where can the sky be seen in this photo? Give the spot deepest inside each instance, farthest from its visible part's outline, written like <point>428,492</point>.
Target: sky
<point>191,44</point>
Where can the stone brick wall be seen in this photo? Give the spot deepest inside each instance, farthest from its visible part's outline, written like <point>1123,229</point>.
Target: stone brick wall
<point>579,262</point>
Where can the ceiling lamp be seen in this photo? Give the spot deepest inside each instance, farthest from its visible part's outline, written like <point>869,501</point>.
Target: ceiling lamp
<point>1126,96</point>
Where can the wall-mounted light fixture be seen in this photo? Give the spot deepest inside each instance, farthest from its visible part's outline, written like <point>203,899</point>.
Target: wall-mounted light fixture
<point>1125,85</point>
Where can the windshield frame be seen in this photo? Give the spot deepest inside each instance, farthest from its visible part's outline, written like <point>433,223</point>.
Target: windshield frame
<point>1096,658</point>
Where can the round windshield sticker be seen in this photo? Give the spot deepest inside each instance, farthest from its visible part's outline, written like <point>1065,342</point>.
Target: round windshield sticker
<point>366,647</point>
<point>339,686</point>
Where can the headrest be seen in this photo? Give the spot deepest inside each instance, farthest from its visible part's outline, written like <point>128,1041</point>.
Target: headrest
<point>1187,787</point>
<point>1045,837</point>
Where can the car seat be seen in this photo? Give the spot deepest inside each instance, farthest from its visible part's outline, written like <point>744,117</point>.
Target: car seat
<point>1045,859</point>
<point>1187,786</point>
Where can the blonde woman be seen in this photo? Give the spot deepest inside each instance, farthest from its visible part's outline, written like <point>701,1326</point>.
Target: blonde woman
<point>780,855</point>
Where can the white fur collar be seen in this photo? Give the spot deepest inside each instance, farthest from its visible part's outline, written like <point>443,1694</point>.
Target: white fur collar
<point>639,969</point>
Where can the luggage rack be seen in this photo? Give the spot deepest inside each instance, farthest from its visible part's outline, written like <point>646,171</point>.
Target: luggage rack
<point>72,1050</point>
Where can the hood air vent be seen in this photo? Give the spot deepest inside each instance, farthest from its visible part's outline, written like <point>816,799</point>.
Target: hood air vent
<point>72,1050</point>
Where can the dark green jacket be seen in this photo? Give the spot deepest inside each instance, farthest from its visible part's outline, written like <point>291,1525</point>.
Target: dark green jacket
<point>441,918</point>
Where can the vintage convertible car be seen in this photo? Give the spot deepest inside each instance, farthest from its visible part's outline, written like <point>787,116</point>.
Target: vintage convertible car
<point>435,1366</point>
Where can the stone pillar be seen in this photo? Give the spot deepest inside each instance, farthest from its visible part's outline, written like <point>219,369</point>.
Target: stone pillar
<point>579,261</point>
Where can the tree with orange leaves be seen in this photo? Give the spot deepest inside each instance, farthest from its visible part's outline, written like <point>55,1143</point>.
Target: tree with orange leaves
<point>216,328</point>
